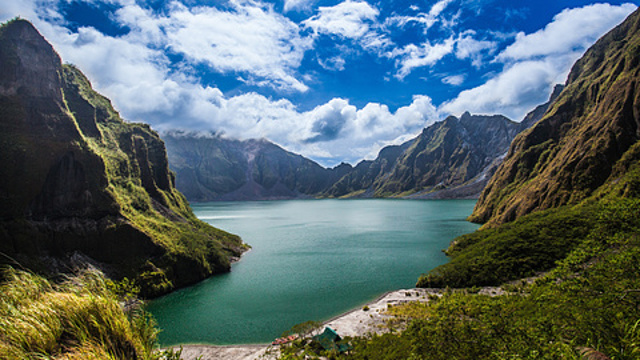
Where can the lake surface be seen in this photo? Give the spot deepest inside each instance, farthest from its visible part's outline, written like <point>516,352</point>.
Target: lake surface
<point>311,260</point>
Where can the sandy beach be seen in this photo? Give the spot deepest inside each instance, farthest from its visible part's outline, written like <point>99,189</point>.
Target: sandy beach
<point>369,318</point>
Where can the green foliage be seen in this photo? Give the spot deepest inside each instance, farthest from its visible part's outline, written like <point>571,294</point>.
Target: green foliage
<point>80,318</point>
<point>529,245</point>
<point>125,288</point>
<point>137,172</point>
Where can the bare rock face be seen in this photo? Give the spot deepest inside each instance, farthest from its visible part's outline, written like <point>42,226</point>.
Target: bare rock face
<point>584,141</point>
<point>30,65</point>
<point>76,178</point>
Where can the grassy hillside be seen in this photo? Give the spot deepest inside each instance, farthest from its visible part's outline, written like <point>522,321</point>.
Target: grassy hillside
<point>586,308</point>
<point>571,152</point>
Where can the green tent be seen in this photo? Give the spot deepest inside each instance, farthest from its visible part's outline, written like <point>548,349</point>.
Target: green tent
<point>329,340</point>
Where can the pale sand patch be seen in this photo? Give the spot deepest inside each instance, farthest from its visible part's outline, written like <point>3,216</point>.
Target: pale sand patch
<point>357,322</point>
<point>231,352</point>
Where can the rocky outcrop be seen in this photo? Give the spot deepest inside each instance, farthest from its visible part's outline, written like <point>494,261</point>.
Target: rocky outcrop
<point>585,140</point>
<point>77,179</point>
<point>538,113</point>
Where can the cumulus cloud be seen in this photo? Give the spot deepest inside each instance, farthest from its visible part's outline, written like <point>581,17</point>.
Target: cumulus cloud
<point>468,47</point>
<point>349,19</point>
<point>249,39</point>
<point>512,93</point>
<point>534,63</point>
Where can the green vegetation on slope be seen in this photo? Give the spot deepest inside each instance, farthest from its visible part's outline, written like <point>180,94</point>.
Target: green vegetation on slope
<point>80,318</point>
<point>154,207</point>
<point>570,153</point>
<point>513,251</point>
<point>533,243</point>
<point>78,179</point>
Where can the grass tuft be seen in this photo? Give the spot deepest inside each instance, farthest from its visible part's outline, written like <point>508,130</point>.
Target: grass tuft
<point>80,318</point>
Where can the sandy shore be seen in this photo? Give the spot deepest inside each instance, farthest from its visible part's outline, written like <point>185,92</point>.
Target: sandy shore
<point>370,318</point>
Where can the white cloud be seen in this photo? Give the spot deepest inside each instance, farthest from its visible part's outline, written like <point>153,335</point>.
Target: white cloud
<point>455,80</point>
<point>249,39</point>
<point>467,47</point>
<point>535,62</point>
<point>412,56</point>
<point>512,93</point>
<point>349,19</point>
<point>335,63</point>
<point>570,30</point>
<point>427,20</point>
<point>290,5</point>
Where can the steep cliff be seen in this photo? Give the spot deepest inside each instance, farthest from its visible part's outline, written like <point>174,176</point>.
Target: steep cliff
<point>584,141</point>
<point>78,184</point>
<point>359,182</point>
<point>451,152</point>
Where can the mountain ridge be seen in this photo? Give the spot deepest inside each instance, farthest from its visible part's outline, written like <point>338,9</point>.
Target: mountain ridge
<point>80,185</point>
<point>453,158</point>
<point>573,150</point>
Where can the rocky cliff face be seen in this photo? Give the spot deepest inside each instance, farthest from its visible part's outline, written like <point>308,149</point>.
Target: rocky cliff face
<point>209,167</point>
<point>449,153</point>
<point>584,142</point>
<point>80,183</point>
<point>359,182</point>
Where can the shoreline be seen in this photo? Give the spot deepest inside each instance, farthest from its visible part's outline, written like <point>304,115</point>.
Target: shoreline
<point>355,322</point>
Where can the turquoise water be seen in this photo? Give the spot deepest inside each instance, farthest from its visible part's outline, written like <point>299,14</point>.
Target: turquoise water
<point>311,260</point>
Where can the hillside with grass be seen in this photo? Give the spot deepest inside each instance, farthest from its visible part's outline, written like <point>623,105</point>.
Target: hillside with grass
<point>80,186</point>
<point>573,151</point>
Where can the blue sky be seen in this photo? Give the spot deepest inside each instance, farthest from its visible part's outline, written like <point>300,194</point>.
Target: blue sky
<point>332,80</point>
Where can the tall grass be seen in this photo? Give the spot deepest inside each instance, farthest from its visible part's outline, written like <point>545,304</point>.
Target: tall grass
<point>80,318</point>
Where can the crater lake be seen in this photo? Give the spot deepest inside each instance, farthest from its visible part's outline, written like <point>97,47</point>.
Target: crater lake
<point>310,260</point>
